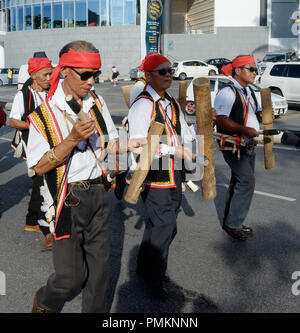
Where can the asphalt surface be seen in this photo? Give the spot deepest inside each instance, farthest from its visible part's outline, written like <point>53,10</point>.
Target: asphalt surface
<point>209,271</point>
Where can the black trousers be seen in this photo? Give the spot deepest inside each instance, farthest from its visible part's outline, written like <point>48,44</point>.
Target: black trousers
<point>162,207</point>
<point>34,208</point>
<point>81,262</point>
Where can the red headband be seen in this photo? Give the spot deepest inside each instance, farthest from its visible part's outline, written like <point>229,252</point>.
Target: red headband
<point>73,59</point>
<point>152,61</point>
<point>237,62</point>
<point>36,64</point>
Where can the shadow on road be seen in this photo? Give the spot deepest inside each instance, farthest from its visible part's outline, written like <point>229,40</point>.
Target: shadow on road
<point>12,193</point>
<point>274,249</point>
<point>7,160</point>
<point>134,298</point>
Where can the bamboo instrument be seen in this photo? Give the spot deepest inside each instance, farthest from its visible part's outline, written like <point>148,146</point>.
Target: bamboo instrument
<point>126,94</point>
<point>182,95</point>
<point>267,118</point>
<point>205,128</point>
<point>144,163</point>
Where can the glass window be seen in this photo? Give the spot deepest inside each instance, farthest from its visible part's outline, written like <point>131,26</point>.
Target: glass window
<point>37,17</point>
<point>104,12</point>
<point>278,70</point>
<point>68,14</point>
<point>28,20</point>
<point>46,16</point>
<point>129,12</point>
<point>57,15</point>
<point>93,13</point>
<point>80,13</point>
<point>13,19</point>
<point>20,18</point>
<point>116,12</point>
<point>293,71</point>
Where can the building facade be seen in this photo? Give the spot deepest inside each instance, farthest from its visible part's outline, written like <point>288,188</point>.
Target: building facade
<point>191,28</point>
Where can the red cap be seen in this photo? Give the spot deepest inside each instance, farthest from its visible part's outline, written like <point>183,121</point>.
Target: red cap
<point>152,61</point>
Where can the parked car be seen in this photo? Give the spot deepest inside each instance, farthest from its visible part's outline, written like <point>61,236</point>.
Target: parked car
<point>193,68</point>
<point>283,78</point>
<point>3,76</point>
<point>135,73</point>
<point>218,62</point>
<point>277,56</point>
<point>279,103</point>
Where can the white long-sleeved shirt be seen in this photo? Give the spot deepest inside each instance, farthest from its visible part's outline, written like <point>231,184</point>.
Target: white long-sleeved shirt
<point>83,164</point>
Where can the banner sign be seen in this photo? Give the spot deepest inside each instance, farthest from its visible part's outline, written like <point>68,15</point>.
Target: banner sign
<point>153,23</point>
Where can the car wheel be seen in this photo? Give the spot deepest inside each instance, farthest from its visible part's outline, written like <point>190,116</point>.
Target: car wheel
<point>190,108</point>
<point>212,72</point>
<point>276,91</point>
<point>1,83</point>
<point>182,76</point>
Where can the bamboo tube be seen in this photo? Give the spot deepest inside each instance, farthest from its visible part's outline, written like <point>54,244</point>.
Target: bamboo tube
<point>267,117</point>
<point>144,163</point>
<point>182,95</point>
<point>126,94</point>
<point>204,125</point>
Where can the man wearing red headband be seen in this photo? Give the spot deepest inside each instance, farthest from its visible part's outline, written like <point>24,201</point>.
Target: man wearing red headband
<point>163,191</point>
<point>66,144</point>
<point>239,114</point>
<point>33,93</point>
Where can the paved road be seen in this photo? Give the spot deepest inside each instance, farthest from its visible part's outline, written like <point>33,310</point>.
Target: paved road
<point>209,271</point>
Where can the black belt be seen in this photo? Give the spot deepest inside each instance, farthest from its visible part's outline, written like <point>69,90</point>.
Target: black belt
<point>95,181</point>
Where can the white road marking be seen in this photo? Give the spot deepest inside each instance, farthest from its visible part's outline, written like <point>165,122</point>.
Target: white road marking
<point>4,138</point>
<point>267,194</point>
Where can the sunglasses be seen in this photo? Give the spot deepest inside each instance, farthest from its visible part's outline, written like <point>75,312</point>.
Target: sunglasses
<point>86,75</point>
<point>163,71</point>
<point>251,69</point>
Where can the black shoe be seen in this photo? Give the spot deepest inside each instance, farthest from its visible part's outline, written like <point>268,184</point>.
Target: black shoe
<point>247,229</point>
<point>235,233</point>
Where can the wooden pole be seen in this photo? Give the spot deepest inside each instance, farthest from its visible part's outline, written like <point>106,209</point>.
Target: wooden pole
<point>144,163</point>
<point>267,118</point>
<point>205,128</point>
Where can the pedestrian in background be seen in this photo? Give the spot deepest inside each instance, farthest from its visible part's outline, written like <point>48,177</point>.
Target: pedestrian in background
<point>10,76</point>
<point>115,74</point>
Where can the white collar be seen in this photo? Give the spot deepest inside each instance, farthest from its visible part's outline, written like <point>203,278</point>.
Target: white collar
<point>155,95</point>
<point>238,85</point>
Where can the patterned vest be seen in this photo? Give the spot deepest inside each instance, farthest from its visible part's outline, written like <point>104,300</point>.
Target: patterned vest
<point>45,122</point>
<point>161,173</point>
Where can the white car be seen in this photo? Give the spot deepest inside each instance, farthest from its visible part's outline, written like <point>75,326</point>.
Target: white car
<point>283,78</point>
<point>279,103</point>
<point>193,68</point>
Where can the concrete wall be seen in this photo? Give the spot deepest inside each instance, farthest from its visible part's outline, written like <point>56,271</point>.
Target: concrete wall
<point>227,42</point>
<point>238,13</point>
<point>120,45</point>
